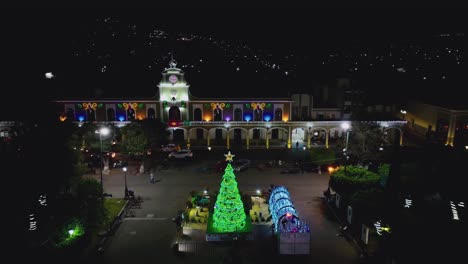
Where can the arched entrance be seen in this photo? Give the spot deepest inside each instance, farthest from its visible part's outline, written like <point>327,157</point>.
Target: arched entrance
<point>258,114</point>
<point>298,135</point>
<point>90,113</point>
<point>197,114</point>
<point>70,114</point>
<point>178,135</point>
<point>130,114</point>
<point>256,133</point>
<point>151,113</point>
<point>174,113</point>
<point>237,136</point>
<point>217,115</point>
<point>219,136</point>
<point>199,134</point>
<point>278,114</point>
<point>110,114</point>
<point>238,114</point>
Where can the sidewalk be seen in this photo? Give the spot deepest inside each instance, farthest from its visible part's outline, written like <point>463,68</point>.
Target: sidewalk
<point>348,234</point>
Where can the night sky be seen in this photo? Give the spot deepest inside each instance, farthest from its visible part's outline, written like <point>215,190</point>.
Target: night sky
<point>231,53</point>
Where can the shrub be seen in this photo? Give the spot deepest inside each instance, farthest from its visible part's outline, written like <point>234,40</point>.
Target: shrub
<point>353,179</point>
<point>367,203</point>
<point>383,171</point>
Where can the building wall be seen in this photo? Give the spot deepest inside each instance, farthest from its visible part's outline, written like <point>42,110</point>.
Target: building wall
<point>421,117</point>
<point>326,113</point>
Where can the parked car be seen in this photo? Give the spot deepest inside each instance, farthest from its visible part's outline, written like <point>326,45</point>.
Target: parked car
<point>183,154</point>
<point>120,164</point>
<point>169,148</point>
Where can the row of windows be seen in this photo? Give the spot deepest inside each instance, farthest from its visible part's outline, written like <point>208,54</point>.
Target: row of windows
<point>257,115</point>
<point>174,114</point>
<point>90,115</point>
<point>219,134</point>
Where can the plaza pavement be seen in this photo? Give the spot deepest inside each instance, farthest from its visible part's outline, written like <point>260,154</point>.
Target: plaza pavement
<point>149,236</point>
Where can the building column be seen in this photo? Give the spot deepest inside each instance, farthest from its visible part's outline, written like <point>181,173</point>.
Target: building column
<point>451,130</point>
<point>327,135</point>
<point>308,139</point>
<point>208,138</point>
<point>289,137</point>
<point>227,138</point>
<point>267,139</point>
<point>401,137</point>
<point>247,139</point>
<point>188,139</point>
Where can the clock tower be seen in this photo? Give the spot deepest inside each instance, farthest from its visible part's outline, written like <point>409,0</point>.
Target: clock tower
<point>173,94</point>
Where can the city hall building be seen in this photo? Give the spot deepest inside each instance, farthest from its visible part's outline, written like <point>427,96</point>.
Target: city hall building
<point>253,122</point>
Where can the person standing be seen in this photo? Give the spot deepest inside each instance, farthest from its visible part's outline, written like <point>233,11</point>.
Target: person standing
<point>297,144</point>
<point>152,180</point>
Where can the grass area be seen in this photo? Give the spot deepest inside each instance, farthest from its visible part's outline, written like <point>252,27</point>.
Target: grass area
<point>112,206</point>
<point>247,227</point>
<point>322,156</point>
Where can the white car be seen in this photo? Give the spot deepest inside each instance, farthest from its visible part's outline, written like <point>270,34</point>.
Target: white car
<point>183,154</point>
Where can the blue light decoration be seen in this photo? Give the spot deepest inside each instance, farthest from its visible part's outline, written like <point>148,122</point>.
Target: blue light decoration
<point>81,118</point>
<point>284,215</point>
<point>247,118</point>
<point>267,117</point>
<point>228,118</point>
<point>121,118</point>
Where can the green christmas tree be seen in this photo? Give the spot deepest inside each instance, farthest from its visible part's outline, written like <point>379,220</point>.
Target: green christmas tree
<point>229,215</point>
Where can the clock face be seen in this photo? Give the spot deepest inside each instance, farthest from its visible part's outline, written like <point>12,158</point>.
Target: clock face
<point>173,79</point>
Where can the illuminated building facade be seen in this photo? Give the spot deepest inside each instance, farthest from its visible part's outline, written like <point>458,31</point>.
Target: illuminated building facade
<point>206,121</point>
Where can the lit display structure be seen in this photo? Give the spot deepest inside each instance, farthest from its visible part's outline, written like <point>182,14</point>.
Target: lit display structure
<point>293,235</point>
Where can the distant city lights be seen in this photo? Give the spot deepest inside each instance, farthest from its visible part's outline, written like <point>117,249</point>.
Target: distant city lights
<point>49,75</point>
<point>408,203</point>
<point>32,223</point>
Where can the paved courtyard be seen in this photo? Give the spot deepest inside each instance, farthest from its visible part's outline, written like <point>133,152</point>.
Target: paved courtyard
<point>148,237</point>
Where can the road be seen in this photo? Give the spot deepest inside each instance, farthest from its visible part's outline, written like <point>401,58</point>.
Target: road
<point>149,236</point>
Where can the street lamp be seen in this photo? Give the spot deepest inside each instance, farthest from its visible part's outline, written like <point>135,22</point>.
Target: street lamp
<point>304,148</point>
<point>103,131</point>
<point>125,177</point>
<point>346,126</point>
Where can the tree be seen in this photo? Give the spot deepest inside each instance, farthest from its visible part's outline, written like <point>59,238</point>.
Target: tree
<point>155,131</point>
<point>229,214</point>
<point>364,140</point>
<point>134,140</point>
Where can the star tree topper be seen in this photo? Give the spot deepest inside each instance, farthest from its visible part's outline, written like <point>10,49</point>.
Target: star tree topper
<point>229,156</point>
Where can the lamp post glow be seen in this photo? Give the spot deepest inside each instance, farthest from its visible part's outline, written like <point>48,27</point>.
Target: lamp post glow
<point>346,126</point>
<point>125,177</point>
<point>103,131</point>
